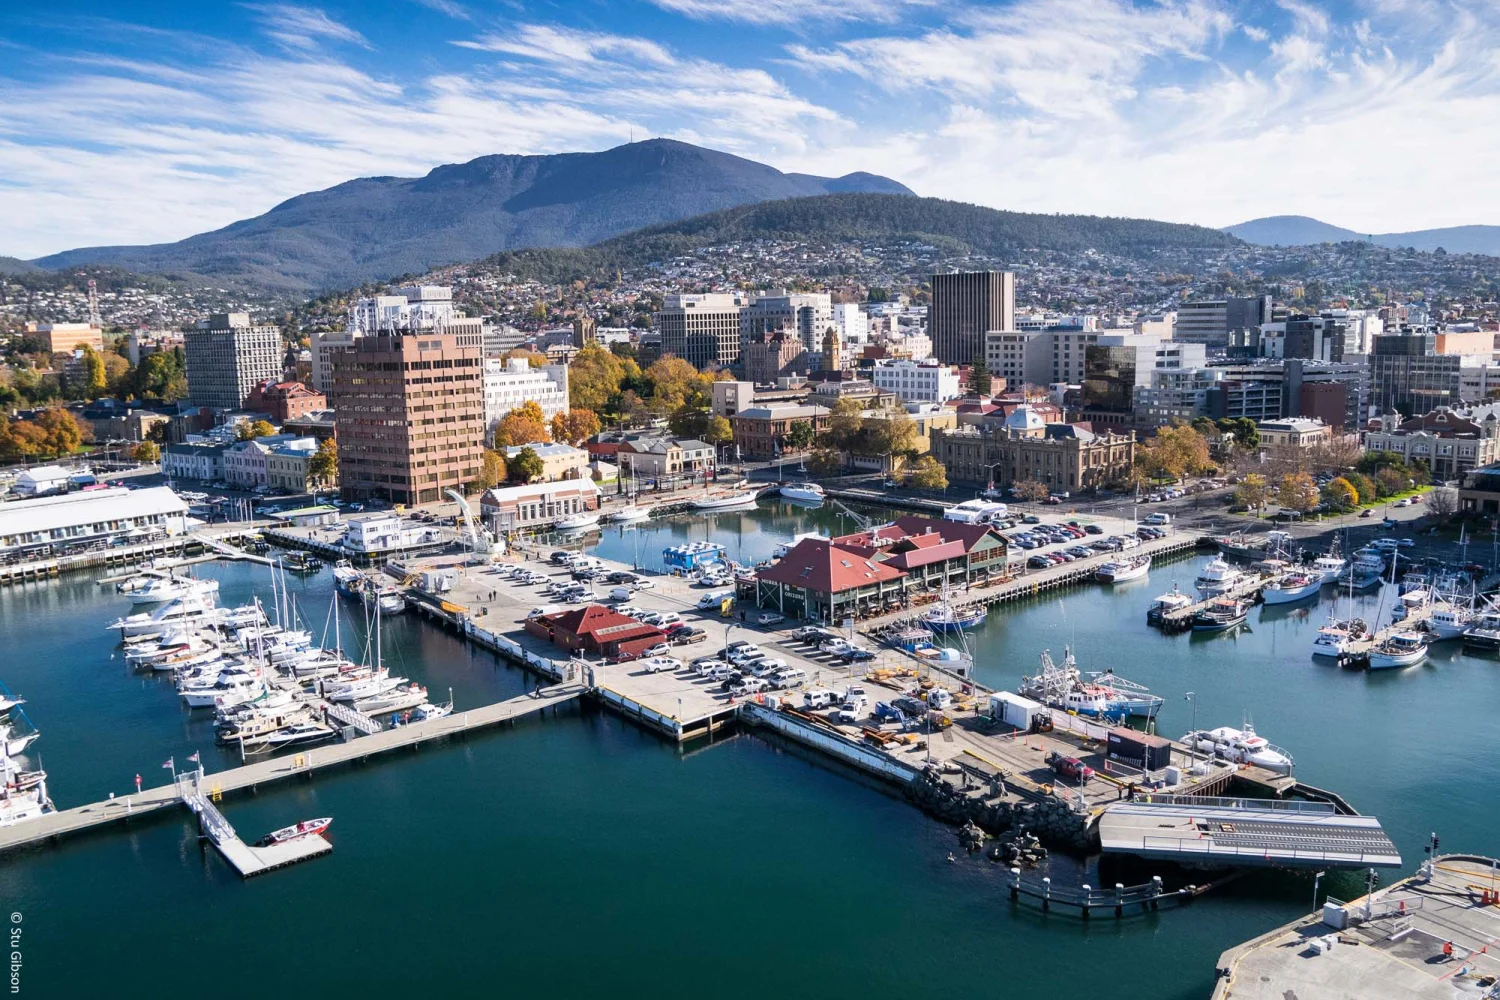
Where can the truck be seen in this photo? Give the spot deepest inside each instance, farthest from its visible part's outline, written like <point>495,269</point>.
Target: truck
<point>1070,768</point>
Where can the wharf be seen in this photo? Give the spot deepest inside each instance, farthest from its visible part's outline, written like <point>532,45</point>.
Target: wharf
<point>306,763</point>
<point>1387,946</point>
<point>248,860</point>
<point>1181,619</point>
<point>177,546</point>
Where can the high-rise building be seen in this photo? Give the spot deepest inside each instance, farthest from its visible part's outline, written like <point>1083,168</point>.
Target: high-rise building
<point>703,330</point>
<point>227,356</point>
<point>1409,373</point>
<point>410,415</point>
<point>965,306</point>
<point>1210,321</point>
<point>810,314</point>
<point>509,384</point>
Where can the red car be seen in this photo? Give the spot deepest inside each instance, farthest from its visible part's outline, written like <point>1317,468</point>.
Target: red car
<point>1069,767</point>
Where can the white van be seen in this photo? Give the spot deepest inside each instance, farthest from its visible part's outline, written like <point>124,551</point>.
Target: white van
<point>789,677</point>
<point>545,609</point>
<point>940,698</point>
<point>815,698</point>
<point>1157,517</point>
<point>620,594</point>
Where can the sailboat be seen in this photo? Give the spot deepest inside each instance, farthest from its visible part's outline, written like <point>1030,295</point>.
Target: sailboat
<point>948,618</point>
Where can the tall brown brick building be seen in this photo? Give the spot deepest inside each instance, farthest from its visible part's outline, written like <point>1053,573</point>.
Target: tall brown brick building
<point>409,410</point>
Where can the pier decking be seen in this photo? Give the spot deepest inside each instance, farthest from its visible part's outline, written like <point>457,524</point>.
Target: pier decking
<point>244,858</point>
<point>305,763</point>
<point>1181,619</point>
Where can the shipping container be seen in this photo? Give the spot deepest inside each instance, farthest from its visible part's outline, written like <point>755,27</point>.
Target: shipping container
<point>1142,750</point>
<point>1015,710</point>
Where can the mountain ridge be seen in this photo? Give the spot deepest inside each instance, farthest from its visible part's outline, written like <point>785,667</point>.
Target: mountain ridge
<point>1302,230</point>
<point>375,228</point>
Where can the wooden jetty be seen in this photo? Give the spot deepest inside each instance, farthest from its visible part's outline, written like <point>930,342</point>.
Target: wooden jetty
<point>1357,653</point>
<point>58,824</point>
<point>1181,619</point>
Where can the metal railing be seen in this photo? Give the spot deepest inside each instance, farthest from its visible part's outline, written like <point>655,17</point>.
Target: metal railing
<point>1249,805</point>
<point>1207,846</point>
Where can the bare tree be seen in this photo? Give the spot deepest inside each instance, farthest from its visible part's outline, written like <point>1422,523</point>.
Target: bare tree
<point>1442,503</point>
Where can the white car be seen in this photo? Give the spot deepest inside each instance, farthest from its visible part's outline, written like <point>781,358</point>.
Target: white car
<point>660,664</point>
<point>704,664</point>
<point>660,649</point>
<point>641,583</point>
<point>769,618</point>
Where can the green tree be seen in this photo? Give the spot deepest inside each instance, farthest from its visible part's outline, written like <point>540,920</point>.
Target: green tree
<point>323,466</point>
<point>825,462</point>
<point>525,466</point>
<point>1253,491</point>
<point>979,378</point>
<point>927,473</point>
<point>845,422</point>
<point>719,431</point>
<point>1390,481</point>
<point>147,453</point>
<point>800,436</point>
<point>95,379</point>
<point>1363,485</point>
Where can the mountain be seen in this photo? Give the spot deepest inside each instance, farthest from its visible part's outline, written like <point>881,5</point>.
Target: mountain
<point>1299,230</point>
<point>14,265</point>
<point>375,228</point>
<point>952,227</point>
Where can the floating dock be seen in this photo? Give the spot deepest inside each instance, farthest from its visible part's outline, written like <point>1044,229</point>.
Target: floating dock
<point>248,860</point>
<point>1241,832</point>
<point>1386,946</point>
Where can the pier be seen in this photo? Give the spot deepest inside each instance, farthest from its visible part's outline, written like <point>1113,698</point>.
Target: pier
<point>1357,654</point>
<point>244,858</point>
<point>1181,619</point>
<point>303,764</point>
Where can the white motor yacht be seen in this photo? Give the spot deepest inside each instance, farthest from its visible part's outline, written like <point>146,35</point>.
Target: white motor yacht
<point>578,522</point>
<point>194,611</point>
<point>1242,746</point>
<point>1172,600</point>
<point>1217,577</point>
<point>13,744</point>
<point>24,805</point>
<point>1330,567</point>
<point>804,492</point>
<point>165,589</point>
<point>1121,570</point>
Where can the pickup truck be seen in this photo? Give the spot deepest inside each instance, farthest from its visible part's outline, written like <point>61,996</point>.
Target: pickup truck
<point>1069,767</point>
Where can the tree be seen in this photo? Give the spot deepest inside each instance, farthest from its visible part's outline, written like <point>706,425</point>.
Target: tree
<point>1030,489</point>
<point>688,421</point>
<point>979,378</point>
<point>825,462</point>
<point>594,376</point>
<point>1390,480</point>
<point>719,431</point>
<point>1363,485</point>
<point>162,377</point>
<point>1253,491</point>
<point>1337,453</point>
<point>323,466</point>
<point>1341,495</point>
<point>119,377</point>
<point>1175,451</point>
<point>147,453</point>
<point>575,426</point>
<point>95,378</point>
<point>249,430</point>
<point>525,466</point>
<point>1374,461</point>
<point>800,436</point>
<point>1297,491</point>
<point>1442,503</point>
<point>523,425</point>
<point>845,421</point>
<point>927,473</point>
<point>491,472</point>
<point>891,435</point>
<point>1246,434</point>
<point>676,383</point>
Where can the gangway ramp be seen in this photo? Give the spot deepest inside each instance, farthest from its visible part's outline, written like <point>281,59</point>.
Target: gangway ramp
<point>1245,832</point>
<point>246,859</point>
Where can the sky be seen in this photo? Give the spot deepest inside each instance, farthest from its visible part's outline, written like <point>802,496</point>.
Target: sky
<point>125,121</point>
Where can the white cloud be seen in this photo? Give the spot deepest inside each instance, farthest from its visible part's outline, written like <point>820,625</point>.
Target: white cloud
<point>448,7</point>
<point>790,11</point>
<point>304,27</point>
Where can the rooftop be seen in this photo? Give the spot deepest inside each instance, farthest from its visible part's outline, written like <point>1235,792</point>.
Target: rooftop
<point>822,566</point>
<point>116,503</point>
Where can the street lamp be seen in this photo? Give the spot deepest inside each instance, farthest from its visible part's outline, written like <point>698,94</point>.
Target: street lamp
<point>1193,746</point>
<point>1317,878</point>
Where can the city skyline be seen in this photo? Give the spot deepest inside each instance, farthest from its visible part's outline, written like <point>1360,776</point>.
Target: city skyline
<point>138,123</point>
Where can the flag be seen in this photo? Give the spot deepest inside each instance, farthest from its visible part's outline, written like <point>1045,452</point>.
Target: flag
<point>194,758</point>
<point>171,764</point>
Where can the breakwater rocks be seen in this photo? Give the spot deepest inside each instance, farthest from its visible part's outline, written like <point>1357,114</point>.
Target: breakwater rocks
<point>996,808</point>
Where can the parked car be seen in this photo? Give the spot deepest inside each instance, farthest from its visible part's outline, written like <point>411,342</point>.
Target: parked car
<point>1031,519</point>
<point>1093,529</point>
<point>660,649</point>
<point>769,618</point>
<point>1367,512</point>
<point>659,664</point>
<point>1069,767</point>
<point>688,636</point>
<point>747,686</point>
<point>857,655</point>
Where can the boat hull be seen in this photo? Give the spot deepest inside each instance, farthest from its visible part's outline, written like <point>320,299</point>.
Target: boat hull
<point>1291,595</point>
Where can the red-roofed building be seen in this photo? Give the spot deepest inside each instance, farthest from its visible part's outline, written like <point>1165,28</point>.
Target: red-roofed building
<point>984,549</point>
<point>285,400</point>
<point>820,581</point>
<point>596,629</point>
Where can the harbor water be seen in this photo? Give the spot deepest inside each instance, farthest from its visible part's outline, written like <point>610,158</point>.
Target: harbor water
<point>578,855</point>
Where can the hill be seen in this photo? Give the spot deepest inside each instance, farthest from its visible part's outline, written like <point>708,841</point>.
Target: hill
<point>381,227</point>
<point>952,226</point>
<point>1299,230</point>
<point>15,265</point>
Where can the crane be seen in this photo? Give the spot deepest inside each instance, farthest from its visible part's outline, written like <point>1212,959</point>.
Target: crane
<point>865,523</point>
<point>478,538</point>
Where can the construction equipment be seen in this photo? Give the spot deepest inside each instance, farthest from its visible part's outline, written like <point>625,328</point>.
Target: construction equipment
<point>484,547</point>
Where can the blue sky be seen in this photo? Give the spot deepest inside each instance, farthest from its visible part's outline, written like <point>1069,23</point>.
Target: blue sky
<point>134,122</point>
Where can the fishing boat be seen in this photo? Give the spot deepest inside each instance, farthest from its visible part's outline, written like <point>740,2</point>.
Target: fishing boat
<point>1483,632</point>
<point>581,521</point>
<point>1128,696</point>
<point>1367,568</point>
<point>947,618</point>
<point>1400,649</point>
<point>1217,577</point>
<point>1293,587</point>
<point>1172,600</point>
<point>1335,638</point>
<point>1241,746</point>
<point>347,579</point>
<point>804,492</point>
<point>1221,615</point>
<point>306,828</point>
<point>1121,570</point>
<point>1099,695</point>
<point>1331,566</point>
<point>301,562</point>
<point>727,500</point>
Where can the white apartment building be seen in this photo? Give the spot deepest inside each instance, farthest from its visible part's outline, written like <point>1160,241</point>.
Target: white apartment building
<point>809,313</point>
<point>852,323</point>
<point>322,347</point>
<point>508,384</point>
<point>1040,357</point>
<point>927,381</point>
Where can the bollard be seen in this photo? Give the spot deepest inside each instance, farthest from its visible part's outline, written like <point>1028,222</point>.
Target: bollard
<point>1015,883</point>
<point>1088,892</point>
<point>1119,899</point>
<point>1155,890</point>
<point>1047,893</point>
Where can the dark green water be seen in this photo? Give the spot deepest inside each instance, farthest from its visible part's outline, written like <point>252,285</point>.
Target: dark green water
<point>577,856</point>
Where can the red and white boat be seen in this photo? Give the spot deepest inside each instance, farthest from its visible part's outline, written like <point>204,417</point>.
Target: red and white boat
<point>306,828</point>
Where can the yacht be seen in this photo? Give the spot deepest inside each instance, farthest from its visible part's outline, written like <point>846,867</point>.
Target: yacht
<point>1221,615</point>
<point>1120,570</point>
<point>306,828</point>
<point>194,610</point>
<point>1172,600</point>
<point>386,600</point>
<point>629,514</point>
<point>1217,577</point>
<point>12,745</point>
<point>581,521</point>
<point>1242,746</point>
<point>295,735</point>
<point>804,492</point>
<point>1484,632</point>
<point>1401,649</point>
<point>376,684</point>
<point>234,685</point>
<point>726,501</point>
<point>163,589</point>
<point>21,806</point>
<point>426,713</point>
<point>1293,587</point>
<point>8,702</point>
<point>975,511</point>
